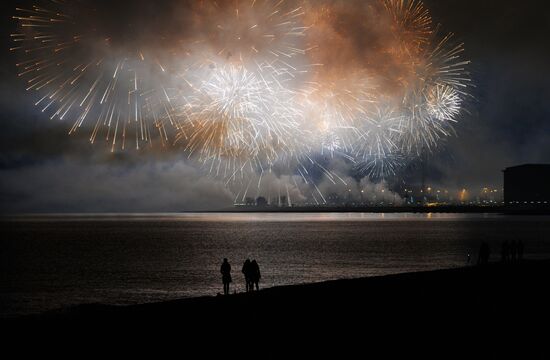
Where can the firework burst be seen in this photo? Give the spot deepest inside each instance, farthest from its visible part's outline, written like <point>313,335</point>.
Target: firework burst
<point>84,76</point>
<point>241,30</point>
<point>378,135</point>
<point>240,118</point>
<point>254,86</point>
<point>444,103</point>
<point>380,167</point>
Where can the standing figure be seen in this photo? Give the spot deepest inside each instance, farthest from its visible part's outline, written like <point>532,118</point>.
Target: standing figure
<point>484,254</point>
<point>513,251</point>
<point>226,276</point>
<point>520,250</point>
<point>505,252</point>
<point>246,272</point>
<point>255,274</point>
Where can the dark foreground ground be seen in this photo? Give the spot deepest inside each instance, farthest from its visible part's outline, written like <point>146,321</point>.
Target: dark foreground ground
<point>502,302</point>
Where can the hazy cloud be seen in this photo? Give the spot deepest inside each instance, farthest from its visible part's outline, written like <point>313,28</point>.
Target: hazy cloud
<point>66,186</point>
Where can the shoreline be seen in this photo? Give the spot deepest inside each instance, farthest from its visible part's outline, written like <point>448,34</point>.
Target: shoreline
<point>458,291</point>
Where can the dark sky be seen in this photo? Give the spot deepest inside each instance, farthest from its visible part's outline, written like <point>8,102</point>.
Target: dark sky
<point>42,169</point>
<point>510,121</point>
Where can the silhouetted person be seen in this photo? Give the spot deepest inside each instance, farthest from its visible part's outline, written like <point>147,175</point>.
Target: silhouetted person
<point>513,250</point>
<point>484,254</point>
<point>469,259</point>
<point>505,252</point>
<point>520,250</point>
<point>246,272</point>
<point>226,276</point>
<point>255,274</point>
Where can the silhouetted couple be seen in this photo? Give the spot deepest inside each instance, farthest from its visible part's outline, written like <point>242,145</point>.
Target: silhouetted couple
<point>251,271</point>
<point>512,252</point>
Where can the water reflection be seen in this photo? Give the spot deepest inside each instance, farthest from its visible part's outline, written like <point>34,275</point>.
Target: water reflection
<point>269,217</point>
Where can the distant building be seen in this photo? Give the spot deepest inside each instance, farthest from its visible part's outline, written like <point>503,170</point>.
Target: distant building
<point>261,202</point>
<point>527,186</point>
<point>334,199</point>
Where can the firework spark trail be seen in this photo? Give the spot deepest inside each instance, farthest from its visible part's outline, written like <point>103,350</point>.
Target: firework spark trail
<point>243,118</point>
<point>378,134</point>
<point>444,103</point>
<point>333,111</point>
<point>378,167</point>
<point>84,78</point>
<point>240,112</point>
<point>255,86</point>
<point>237,31</point>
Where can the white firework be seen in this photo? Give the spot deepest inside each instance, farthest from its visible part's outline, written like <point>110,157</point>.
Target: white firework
<point>444,103</point>
<point>239,116</point>
<point>378,133</point>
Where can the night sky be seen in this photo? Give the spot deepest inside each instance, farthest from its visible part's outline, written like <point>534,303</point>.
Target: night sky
<point>44,170</point>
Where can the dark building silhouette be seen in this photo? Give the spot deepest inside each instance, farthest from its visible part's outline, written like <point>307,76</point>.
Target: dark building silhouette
<point>334,199</point>
<point>527,186</point>
<point>261,202</point>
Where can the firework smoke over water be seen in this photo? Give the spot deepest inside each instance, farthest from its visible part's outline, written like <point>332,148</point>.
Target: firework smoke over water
<point>249,86</point>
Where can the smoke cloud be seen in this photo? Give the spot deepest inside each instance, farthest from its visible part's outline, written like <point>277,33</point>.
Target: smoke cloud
<point>73,186</point>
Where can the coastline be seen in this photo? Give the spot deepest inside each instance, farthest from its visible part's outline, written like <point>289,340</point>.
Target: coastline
<point>472,292</point>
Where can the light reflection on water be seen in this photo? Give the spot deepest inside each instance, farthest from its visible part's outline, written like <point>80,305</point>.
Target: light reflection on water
<point>267,216</point>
